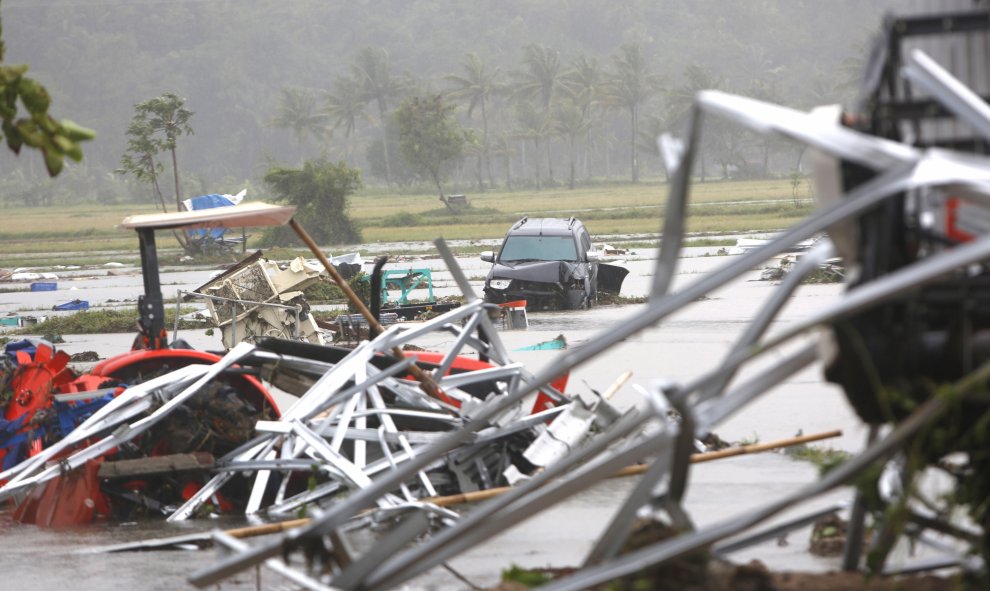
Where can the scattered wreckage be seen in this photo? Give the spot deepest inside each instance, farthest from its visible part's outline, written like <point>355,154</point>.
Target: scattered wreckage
<point>145,432</point>
<point>905,323</point>
<point>378,428</point>
<point>256,298</point>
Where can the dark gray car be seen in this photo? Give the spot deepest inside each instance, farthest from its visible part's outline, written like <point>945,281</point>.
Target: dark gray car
<point>550,263</point>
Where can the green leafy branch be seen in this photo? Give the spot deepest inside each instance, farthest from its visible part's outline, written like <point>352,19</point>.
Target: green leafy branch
<point>36,128</point>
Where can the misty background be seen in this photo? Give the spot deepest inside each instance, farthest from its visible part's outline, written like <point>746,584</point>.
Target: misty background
<point>277,82</point>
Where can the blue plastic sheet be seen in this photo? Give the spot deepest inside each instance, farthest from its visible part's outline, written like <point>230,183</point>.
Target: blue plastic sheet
<point>209,202</point>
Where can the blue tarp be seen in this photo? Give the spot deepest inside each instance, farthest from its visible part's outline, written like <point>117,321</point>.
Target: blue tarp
<point>11,349</point>
<point>12,442</point>
<point>71,415</point>
<point>73,305</point>
<point>209,202</point>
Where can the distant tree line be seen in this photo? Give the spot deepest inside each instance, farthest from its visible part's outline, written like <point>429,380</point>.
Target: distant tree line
<point>550,93</point>
<point>549,121</point>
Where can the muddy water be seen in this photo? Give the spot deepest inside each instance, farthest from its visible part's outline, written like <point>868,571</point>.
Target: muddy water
<point>681,348</point>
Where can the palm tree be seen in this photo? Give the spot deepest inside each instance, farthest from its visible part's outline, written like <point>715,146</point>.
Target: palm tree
<point>631,84</point>
<point>541,76</point>
<point>681,99</point>
<point>539,80</point>
<point>765,90</point>
<point>583,83</point>
<point>477,86</point>
<point>503,148</point>
<point>649,131</point>
<point>570,122</point>
<point>297,111</point>
<point>533,126</point>
<point>373,72</point>
<point>344,105</point>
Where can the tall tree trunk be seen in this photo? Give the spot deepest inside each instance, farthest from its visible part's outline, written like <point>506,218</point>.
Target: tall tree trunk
<point>570,181</point>
<point>486,147</point>
<point>634,124</point>
<point>479,174</point>
<point>175,177</point>
<point>585,157</point>
<point>156,188</point>
<point>549,162</point>
<point>381,119</point>
<point>523,164</point>
<point>180,235</point>
<point>536,161</point>
<point>608,162</point>
<point>766,158</point>
<point>508,170</point>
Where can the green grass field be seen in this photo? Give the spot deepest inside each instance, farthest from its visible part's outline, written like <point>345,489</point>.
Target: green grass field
<point>88,234</point>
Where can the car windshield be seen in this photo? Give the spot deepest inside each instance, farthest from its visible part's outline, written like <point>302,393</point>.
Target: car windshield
<point>538,248</point>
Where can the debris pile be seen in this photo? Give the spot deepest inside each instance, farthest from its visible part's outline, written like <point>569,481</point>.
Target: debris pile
<point>256,298</point>
<point>379,431</point>
<point>871,176</point>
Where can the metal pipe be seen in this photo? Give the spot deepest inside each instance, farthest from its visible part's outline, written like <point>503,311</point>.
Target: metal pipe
<point>634,561</point>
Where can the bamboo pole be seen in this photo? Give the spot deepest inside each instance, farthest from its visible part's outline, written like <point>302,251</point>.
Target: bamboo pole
<point>425,380</point>
<point>483,495</point>
<point>266,528</point>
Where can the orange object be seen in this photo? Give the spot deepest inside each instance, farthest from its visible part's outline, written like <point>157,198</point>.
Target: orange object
<point>73,498</point>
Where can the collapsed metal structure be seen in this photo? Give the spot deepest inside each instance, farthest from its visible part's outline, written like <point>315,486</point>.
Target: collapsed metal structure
<point>377,432</point>
<point>886,189</point>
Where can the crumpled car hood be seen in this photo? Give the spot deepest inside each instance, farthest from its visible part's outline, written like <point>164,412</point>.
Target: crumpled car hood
<point>543,271</point>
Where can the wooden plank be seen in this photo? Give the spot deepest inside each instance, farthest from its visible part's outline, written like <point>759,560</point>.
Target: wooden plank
<point>156,465</point>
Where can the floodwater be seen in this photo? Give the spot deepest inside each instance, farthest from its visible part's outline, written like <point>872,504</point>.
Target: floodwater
<point>681,348</point>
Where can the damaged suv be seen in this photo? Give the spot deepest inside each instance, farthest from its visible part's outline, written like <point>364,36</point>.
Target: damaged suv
<point>550,263</point>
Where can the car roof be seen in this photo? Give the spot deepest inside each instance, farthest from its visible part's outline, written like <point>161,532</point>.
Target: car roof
<point>546,226</point>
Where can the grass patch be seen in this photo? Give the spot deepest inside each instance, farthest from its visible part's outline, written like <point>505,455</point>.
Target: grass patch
<point>405,219</point>
<point>710,242</point>
<point>100,321</point>
<point>42,235</point>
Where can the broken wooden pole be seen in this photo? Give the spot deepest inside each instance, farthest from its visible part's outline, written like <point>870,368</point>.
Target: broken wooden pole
<point>481,495</point>
<point>425,380</point>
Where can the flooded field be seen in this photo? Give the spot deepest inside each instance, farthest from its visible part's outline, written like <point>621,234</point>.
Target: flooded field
<point>681,348</point>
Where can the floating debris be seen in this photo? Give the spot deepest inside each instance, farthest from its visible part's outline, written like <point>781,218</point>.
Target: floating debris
<point>555,344</point>
<point>85,356</point>
<point>71,305</point>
